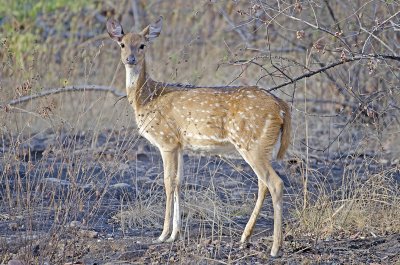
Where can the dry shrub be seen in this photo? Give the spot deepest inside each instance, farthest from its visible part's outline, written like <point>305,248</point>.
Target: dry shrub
<point>371,207</point>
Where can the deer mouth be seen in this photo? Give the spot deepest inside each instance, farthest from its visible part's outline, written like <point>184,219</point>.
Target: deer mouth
<point>131,64</point>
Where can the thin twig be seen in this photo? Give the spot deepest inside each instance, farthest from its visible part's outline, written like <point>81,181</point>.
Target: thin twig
<point>241,33</point>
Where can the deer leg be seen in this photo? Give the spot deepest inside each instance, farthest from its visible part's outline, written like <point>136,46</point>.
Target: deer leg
<point>248,230</point>
<point>170,163</point>
<point>272,182</point>
<point>176,224</point>
<point>275,185</point>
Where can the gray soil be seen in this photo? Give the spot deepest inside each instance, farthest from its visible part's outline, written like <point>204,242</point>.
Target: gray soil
<point>95,183</point>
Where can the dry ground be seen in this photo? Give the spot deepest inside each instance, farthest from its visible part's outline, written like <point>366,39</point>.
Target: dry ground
<point>108,208</point>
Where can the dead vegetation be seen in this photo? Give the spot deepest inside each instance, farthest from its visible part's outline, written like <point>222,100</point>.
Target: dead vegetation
<point>78,184</point>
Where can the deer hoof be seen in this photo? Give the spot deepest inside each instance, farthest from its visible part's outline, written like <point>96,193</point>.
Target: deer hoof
<point>158,241</point>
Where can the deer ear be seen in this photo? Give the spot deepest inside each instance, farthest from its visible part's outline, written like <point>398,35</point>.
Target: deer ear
<point>153,30</point>
<point>115,30</point>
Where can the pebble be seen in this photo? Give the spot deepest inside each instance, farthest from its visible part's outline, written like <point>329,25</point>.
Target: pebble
<point>16,262</point>
<point>55,182</point>
<point>121,185</point>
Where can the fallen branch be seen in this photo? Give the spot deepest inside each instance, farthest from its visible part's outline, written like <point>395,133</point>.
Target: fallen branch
<point>53,91</point>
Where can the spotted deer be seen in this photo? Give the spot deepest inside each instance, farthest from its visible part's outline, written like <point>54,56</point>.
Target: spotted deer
<point>175,118</point>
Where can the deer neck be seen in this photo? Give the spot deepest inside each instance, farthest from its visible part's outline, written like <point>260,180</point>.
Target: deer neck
<point>137,84</point>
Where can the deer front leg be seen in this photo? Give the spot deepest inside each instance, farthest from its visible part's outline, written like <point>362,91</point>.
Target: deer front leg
<point>170,163</point>
<point>176,224</point>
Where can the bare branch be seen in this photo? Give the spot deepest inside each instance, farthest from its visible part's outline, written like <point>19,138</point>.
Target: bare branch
<point>332,15</point>
<point>53,91</point>
<point>332,65</point>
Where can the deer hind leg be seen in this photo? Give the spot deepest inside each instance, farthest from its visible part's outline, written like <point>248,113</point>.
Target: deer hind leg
<point>262,192</point>
<point>276,189</point>
<point>171,179</point>
<point>259,161</point>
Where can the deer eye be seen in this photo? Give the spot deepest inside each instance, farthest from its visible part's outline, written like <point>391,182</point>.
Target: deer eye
<point>141,47</point>
<point>122,45</point>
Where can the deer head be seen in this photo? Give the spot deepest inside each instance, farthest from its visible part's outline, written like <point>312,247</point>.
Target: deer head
<point>133,46</point>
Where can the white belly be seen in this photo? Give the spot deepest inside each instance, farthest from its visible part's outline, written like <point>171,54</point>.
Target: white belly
<point>209,146</point>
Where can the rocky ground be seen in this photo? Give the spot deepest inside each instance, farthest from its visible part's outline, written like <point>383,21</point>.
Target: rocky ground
<point>70,199</point>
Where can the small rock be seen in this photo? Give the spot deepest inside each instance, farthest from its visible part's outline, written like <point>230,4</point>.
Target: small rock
<point>88,187</point>
<point>13,226</point>
<point>55,182</point>
<point>120,190</point>
<point>206,241</point>
<point>88,233</point>
<point>383,161</point>
<point>75,224</point>
<point>216,242</point>
<point>16,262</point>
<point>120,186</point>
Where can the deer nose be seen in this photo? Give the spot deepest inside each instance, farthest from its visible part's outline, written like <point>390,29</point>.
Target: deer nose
<point>131,59</point>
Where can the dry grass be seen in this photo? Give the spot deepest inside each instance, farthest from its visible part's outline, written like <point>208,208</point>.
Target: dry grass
<point>62,155</point>
<point>366,208</point>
